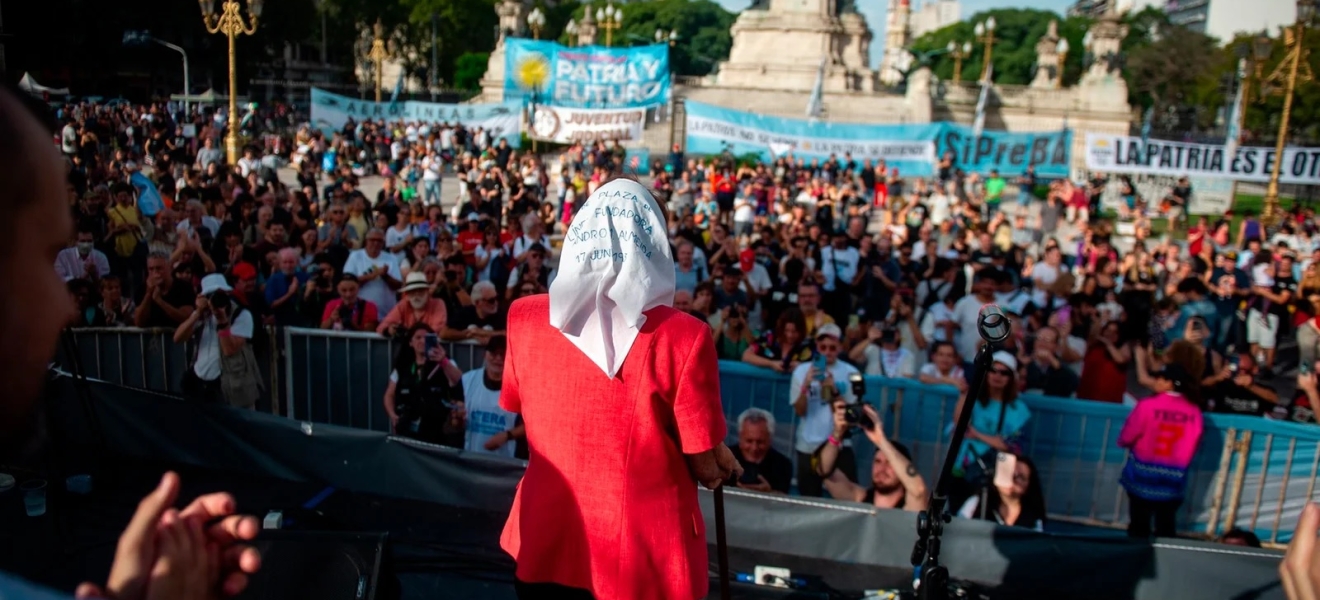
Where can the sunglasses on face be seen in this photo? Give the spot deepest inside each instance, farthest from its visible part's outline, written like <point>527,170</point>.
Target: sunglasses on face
<point>1002,372</point>
<point>827,347</point>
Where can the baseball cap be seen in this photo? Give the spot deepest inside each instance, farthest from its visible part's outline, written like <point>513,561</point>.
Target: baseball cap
<point>829,329</point>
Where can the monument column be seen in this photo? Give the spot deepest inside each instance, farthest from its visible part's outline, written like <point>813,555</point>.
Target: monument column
<point>513,15</point>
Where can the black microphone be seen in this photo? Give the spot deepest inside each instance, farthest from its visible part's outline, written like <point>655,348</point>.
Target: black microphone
<point>993,324</point>
<point>994,327</point>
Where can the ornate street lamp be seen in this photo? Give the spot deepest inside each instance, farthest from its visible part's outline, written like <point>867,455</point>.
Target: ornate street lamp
<point>231,24</point>
<point>1292,70</point>
<point>572,30</point>
<point>535,22</point>
<point>671,36</point>
<point>959,53</point>
<point>610,18</point>
<point>985,33</point>
<point>378,54</point>
<point>1061,50</point>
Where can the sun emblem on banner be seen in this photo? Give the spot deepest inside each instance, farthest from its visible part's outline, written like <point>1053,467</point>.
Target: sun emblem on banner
<point>532,71</point>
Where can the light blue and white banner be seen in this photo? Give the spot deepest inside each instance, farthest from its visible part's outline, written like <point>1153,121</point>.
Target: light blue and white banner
<point>503,120</point>
<point>589,77</point>
<point>713,130</point>
<point>913,149</point>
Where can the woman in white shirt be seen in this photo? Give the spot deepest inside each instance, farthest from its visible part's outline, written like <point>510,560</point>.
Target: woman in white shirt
<point>488,250</point>
<point>400,236</point>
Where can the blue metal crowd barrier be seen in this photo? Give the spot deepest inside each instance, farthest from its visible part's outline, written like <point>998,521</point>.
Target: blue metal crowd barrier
<point>1250,472</point>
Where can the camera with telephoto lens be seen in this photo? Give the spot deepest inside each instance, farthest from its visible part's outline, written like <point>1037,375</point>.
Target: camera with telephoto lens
<point>220,301</point>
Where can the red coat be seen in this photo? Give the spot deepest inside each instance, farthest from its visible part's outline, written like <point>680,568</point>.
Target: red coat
<point>608,502</point>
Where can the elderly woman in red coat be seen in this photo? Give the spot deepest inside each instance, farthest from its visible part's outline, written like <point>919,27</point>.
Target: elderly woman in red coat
<point>620,396</point>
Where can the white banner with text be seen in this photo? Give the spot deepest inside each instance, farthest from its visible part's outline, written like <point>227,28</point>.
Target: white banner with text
<point>573,125</point>
<point>1130,155</point>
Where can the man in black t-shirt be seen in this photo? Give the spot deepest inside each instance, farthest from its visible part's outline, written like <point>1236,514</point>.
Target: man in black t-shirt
<point>167,301</point>
<point>482,320</point>
<point>1269,312</point>
<point>1241,393</point>
<point>764,468</point>
<point>1179,197</point>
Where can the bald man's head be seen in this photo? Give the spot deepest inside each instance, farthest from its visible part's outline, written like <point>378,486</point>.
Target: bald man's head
<point>36,303</point>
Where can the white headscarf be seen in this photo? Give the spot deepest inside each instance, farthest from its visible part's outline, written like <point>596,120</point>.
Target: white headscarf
<point>615,265</point>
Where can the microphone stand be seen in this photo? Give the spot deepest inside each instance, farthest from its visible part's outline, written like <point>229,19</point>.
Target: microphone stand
<point>930,522</point>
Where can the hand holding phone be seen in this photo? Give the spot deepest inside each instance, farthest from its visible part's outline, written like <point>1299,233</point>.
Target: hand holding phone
<point>1005,468</point>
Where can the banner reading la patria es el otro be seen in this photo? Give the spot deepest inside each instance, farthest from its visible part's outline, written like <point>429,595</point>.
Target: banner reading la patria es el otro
<point>588,77</point>
<point>1132,155</point>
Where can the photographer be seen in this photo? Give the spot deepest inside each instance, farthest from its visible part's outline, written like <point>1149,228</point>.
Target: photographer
<point>420,398</point>
<point>883,355</point>
<point>895,482</point>
<point>348,312</point>
<point>734,336</point>
<point>224,367</point>
<point>318,291</point>
<point>1238,389</point>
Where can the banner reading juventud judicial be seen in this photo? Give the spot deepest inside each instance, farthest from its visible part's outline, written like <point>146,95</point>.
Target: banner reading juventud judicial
<point>1125,154</point>
<point>913,149</point>
<point>588,77</point>
<point>572,125</point>
<point>503,120</point>
<point>712,130</point>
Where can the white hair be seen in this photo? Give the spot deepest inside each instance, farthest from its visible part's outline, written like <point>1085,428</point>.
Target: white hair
<point>530,220</point>
<point>757,415</point>
<point>485,288</point>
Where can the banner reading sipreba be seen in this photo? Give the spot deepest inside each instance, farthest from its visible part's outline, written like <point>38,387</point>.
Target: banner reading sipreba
<point>584,125</point>
<point>1008,152</point>
<point>714,130</point>
<point>589,77</point>
<point>913,149</point>
<point>503,120</point>
<point>1125,154</point>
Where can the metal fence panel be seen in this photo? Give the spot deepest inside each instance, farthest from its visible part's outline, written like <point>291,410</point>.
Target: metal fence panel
<point>1257,478</point>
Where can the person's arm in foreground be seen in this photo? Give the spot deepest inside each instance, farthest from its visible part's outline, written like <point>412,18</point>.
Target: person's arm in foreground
<point>1300,569</point>
<point>700,418</point>
<point>829,455</point>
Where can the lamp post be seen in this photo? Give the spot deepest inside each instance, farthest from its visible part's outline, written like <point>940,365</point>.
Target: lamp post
<point>231,24</point>
<point>572,30</point>
<point>959,53</point>
<point>611,18</point>
<point>1292,70</point>
<point>985,33</point>
<point>661,36</point>
<point>535,22</point>
<point>378,53</point>
<point>1061,50</point>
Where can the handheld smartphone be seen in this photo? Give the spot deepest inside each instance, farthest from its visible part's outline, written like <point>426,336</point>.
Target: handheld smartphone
<point>432,342</point>
<point>1233,362</point>
<point>1005,466</point>
<point>821,367</point>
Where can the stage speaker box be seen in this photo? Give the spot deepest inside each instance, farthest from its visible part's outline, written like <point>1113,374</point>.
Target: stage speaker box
<point>321,565</point>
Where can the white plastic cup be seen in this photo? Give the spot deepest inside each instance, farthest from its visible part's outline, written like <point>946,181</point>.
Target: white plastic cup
<point>34,497</point>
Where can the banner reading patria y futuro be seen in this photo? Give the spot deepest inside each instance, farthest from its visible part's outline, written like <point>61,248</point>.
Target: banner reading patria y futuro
<point>588,77</point>
<point>912,149</point>
<point>502,120</point>
<point>1125,154</point>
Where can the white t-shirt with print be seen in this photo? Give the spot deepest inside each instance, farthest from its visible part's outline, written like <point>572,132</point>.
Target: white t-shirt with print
<point>376,290</point>
<point>485,418</point>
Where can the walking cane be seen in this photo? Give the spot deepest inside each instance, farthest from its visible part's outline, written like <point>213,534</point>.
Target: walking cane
<point>721,543</point>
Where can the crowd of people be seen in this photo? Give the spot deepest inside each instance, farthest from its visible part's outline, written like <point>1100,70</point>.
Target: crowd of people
<point>808,267</point>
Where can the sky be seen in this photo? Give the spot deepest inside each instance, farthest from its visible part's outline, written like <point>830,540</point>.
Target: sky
<point>874,11</point>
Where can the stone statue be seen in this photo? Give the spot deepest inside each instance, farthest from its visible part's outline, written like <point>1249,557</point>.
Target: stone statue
<point>759,5</point>
<point>1102,45</point>
<point>1047,58</point>
<point>512,14</point>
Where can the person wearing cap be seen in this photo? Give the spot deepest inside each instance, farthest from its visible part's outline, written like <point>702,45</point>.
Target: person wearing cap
<point>998,423</point>
<point>489,428</point>
<point>814,386</point>
<point>619,394</point>
<point>418,307</point>
<point>471,238</point>
<point>1162,432</point>
<point>225,368</point>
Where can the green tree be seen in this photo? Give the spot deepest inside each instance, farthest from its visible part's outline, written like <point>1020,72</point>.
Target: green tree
<point>1014,49</point>
<point>702,26</point>
<point>469,68</point>
<point>1178,71</point>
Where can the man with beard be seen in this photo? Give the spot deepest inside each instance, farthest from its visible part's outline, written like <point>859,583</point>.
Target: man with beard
<point>31,317</point>
<point>895,482</point>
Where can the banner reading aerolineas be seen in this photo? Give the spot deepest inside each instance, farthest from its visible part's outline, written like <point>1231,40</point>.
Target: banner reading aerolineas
<point>1124,154</point>
<point>574,125</point>
<point>588,77</point>
<point>332,111</point>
